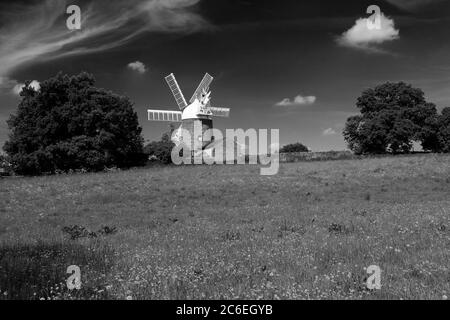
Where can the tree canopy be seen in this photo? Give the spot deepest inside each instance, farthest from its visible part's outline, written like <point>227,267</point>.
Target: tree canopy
<point>294,147</point>
<point>68,124</point>
<point>161,150</point>
<point>393,116</point>
<point>443,136</point>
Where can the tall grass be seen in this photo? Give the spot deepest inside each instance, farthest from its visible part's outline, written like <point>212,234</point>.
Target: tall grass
<point>38,271</point>
<point>200,232</point>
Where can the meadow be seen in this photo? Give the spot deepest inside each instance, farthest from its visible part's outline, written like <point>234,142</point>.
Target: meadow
<point>225,232</point>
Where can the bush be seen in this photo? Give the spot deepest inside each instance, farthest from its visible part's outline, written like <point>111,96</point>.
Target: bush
<point>161,150</point>
<point>294,147</point>
<point>71,125</point>
<point>5,166</point>
<point>444,130</point>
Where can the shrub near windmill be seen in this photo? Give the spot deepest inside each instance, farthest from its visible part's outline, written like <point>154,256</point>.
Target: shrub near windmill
<point>198,113</point>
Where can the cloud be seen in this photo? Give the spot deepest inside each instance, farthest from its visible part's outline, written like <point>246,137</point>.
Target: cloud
<point>104,25</point>
<point>329,132</point>
<point>361,37</point>
<point>297,101</point>
<point>19,86</point>
<point>138,67</point>
<point>412,5</point>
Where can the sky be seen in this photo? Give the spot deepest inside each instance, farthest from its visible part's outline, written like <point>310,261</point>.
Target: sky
<point>293,65</point>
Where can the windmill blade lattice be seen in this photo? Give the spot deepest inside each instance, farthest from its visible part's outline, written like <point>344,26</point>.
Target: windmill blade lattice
<point>164,115</point>
<point>204,85</point>
<point>176,91</point>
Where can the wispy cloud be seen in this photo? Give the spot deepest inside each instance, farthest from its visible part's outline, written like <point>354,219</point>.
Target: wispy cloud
<point>37,32</point>
<point>137,66</point>
<point>297,101</point>
<point>412,5</point>
<point>329,132</point>
<point>361,37</point>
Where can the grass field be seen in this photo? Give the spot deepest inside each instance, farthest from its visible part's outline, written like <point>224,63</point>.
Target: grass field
<point>201,232</point>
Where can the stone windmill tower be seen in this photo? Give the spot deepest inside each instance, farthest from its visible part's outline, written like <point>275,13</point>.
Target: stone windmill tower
<point>198,112</point>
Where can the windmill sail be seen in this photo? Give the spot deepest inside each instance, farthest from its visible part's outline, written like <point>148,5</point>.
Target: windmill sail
<point>204,85</point>
<point>220,112</point>
<point>176,91</point>
<point>164,115</point>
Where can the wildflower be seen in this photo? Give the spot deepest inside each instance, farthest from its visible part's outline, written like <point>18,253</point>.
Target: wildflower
<point>444,297</point>
<point>129,298</point>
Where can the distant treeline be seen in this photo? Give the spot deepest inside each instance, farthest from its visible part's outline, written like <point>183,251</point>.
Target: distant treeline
<point>69,125</point>
<point>333,155</point>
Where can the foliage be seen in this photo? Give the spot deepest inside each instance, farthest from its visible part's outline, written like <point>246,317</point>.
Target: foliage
<point>71,125</point>
<point>444,130</point>
<point>161,150</point>
<point>294,147</point>
<point>76,232</point>
<point>5,166</point>
<point>393,115</point>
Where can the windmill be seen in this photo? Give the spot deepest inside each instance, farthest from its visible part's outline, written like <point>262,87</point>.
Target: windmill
<point>198,112</point>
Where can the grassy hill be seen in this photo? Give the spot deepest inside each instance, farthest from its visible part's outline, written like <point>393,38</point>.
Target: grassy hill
<point>227,232</point>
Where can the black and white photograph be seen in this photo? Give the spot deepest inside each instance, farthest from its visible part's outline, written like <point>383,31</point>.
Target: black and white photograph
<point>222,155</point>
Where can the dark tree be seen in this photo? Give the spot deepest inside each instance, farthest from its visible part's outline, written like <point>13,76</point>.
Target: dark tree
<point>294,147</point>
<point>161,150</point>
<point>364,136</point>
<point>70,125</point>
<point>444,130</point>
<point>393,116</point>
<point>5,166</point>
